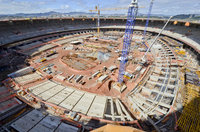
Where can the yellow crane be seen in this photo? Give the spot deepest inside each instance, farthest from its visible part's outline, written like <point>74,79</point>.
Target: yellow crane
<point>97,9</point>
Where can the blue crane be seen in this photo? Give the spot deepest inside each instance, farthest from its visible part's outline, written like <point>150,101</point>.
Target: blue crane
<point>132,13</point>
<point>147,23</point>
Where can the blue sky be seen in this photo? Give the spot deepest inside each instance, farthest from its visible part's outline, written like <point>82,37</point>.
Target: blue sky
<point>168,7</point>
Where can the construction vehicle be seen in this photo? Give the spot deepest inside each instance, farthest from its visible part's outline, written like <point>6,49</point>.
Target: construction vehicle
<point>180,52</point>
<point>50,53</point>
<point>43,59</point>
<point>99,75</point>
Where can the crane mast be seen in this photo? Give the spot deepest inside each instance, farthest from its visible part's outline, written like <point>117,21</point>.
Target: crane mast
<point>98,10</point>
<point>147,23</point>
<point>132,13</point>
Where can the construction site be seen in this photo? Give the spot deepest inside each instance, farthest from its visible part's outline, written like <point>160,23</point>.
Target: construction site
<point>81,74</point>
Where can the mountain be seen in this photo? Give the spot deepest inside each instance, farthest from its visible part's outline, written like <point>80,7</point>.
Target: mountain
<point>46,14</point>
<point>188,16</point>
<point>36,14</point>
<point>86,14</point>
<point>32,14</point>
<point>80,13</point>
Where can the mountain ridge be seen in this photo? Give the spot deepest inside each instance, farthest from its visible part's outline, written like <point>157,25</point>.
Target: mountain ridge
<point>59,14</point>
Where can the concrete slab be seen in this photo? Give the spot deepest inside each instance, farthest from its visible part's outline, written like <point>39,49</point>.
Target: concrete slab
<point>62,95</point>
<point>156,102</point>
<point>43,88</point>
<point>48,124</point>
<point>25,123</point>
<point>128,116</point>
<point>160,110</point>
<point>154,83</point>
<point>3,89</point>
<point>8,105</point>
<point>39,85</point>
<point>4,95</point>
<point>40,49</point>
<point>27,78</point>
<point>65,41</point>
<point>66,128</point>
<point>51,92</point>
<point>97,108</point>
<point>159,92</point>
<point>71,101</point>
<point>119,111</point>
<point>30,45</point>
<point>84,103</point>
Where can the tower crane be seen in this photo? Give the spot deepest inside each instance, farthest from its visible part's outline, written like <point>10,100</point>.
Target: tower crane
<point>98,10</point>
<point>147,23</point>
<point>132,13</point>
<point>98,19</point>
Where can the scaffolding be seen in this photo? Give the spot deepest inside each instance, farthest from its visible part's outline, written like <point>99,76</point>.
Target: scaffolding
<point>189,120</point>
<point>192,91</point>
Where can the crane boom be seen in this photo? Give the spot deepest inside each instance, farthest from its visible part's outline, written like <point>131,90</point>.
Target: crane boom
<point>97,9</point>
<point>154,41</point>
<point>147,23</point>
<point>113,9</point>
<point>132,12</point>
<point>110,9</point>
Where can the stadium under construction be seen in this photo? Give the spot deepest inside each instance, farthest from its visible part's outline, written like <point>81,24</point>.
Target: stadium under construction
<point>62,74</point>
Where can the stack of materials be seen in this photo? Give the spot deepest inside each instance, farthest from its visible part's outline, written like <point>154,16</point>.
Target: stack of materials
<point>192,78</point>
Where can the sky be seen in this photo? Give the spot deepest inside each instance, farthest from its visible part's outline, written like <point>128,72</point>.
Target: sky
<point>165,7</point>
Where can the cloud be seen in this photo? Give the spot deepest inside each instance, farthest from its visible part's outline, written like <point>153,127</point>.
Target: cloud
<point>26,6</point>
<point>64,6</point>
<point>12,6</point>
<point>169,7</point>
